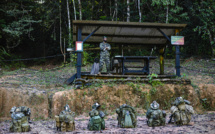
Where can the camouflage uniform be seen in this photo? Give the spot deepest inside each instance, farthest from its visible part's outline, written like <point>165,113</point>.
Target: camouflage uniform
<point>20,119</point>
<point>181,111</point>
<point>65,121</point>
<point>96,121</point>
<point>104,56</point>
<point>127,117</point>
<point>155,116</point>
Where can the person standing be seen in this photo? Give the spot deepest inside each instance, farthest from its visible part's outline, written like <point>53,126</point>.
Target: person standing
<point>104,55</point>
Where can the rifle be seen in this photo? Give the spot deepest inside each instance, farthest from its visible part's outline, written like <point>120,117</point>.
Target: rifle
<point>170,119</point>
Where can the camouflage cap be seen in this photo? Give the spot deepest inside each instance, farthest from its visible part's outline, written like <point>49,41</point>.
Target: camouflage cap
<point>154,105</point>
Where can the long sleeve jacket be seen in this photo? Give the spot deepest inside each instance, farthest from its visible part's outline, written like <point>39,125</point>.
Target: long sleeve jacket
<point>103,50</point>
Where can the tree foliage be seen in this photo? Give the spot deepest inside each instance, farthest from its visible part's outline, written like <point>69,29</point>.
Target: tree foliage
<point>31,28</point>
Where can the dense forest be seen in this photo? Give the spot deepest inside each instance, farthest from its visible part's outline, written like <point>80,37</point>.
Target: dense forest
<point>41,28</point>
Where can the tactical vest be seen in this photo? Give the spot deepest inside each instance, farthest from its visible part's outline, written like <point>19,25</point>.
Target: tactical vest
<point>155,117</point>
<point>96,121</point>
<point>20,117</point>
<point>65,122</point>
<point>182,113</point>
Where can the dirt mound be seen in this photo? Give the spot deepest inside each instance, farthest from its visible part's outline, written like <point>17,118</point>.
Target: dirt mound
<point>38,102</point>
<point>109,96</point>
<point>207,95</point>
<point>112,97</point>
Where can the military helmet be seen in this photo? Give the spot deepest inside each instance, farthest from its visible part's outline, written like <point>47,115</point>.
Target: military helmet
<point>66,108</point>
<point>154,105</point>
<point>117,110</point>
<point>95,105</point>
<point>13,109</point>
<point>179,100</point>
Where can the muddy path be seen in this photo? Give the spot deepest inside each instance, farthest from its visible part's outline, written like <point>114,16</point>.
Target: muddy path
<point>204,123</point>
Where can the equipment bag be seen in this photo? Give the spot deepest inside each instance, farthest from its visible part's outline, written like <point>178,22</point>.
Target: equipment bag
<point>96,121</point>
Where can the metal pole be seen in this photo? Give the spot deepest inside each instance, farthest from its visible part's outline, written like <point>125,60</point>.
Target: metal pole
<point>91,34</point>
<point>164,34</point>
<point>177,56</point>
<point>79,55</point>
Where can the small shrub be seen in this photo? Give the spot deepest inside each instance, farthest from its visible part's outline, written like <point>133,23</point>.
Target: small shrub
<point>153,91</point>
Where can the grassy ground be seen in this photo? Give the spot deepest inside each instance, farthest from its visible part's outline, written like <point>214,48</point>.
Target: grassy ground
<point>46,77</point>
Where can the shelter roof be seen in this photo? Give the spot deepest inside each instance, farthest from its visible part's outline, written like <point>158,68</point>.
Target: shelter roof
<point>125,32</point>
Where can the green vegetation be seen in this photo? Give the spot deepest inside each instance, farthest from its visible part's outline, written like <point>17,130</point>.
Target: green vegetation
<point>151,77</point>
<point>30,29</point>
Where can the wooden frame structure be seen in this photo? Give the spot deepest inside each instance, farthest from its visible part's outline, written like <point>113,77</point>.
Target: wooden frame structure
<point>134,33</point>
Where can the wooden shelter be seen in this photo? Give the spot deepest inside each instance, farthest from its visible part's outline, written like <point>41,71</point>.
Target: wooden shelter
<point>132,33</point>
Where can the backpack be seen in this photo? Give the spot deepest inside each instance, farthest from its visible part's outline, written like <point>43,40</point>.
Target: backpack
<point>126,116</point>
<point>95,123</point>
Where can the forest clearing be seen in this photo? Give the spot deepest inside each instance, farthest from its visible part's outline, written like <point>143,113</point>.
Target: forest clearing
<point>138,66</point>
<point>42,88</point>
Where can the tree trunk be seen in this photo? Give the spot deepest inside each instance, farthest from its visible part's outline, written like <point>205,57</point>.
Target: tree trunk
<point>69,23</point>
<point>61,49</point>
<point>110,9</point>
<point>140,14</point>
<point>167,13</point>
<point>60,30</point>
<point>64,54</point>
<point>211,40</point>
<point>113,15</point>
<point>80,13</point>
<point>92,9</point>
<point>74,9</point>
<point>128,11</point>
<point>116,11</point>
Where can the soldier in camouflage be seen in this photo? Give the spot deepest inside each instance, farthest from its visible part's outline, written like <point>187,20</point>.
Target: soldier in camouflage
<point>96,121</point>
<point>65,121</point>
<point>155,116</point>
<point>181,111</point>
<point>104,55</point>
<point>127,117</point>
<point>20,119</point>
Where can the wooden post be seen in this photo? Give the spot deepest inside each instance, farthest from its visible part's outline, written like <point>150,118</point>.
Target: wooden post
<point>161,53</point>
<point>177,56</point>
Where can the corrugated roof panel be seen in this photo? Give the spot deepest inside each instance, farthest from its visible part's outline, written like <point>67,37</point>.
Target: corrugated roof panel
<point>126,32</point>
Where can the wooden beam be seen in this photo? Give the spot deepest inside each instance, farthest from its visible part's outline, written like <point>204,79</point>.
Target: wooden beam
<point>125,36</point>
<point>114,48</point>
<point>127,24</point>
